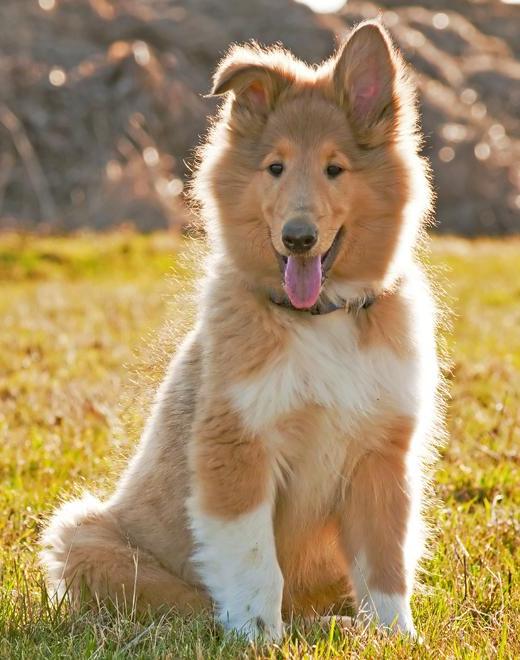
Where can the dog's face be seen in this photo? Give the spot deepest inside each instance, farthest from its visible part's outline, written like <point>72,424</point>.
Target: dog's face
<point>311,169</point>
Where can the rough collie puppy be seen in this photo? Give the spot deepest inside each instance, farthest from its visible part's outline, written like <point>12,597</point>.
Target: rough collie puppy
<point>282,468</point>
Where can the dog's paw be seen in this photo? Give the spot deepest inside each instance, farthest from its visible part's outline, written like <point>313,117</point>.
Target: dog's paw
<point>399,628</point>
<point>255,628</point>
<point>389,613</point>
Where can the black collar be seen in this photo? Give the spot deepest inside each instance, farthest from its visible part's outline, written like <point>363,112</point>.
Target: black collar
<point>324,305</point>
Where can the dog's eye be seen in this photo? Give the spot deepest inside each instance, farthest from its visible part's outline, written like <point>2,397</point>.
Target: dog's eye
<point>275,169</point>
<point>333,171</point>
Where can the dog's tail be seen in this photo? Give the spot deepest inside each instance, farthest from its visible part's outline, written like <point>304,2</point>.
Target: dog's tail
<point>86,556</point>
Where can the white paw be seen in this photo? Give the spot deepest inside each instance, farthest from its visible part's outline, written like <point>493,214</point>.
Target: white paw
<point>253,607</point>
<point>256,627</point>
<point>389,612</point>
<point>237,562</point>
<point>406,628</point>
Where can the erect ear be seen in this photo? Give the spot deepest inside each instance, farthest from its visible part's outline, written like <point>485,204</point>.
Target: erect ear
<point>364,80</point>
<point>256,86</point>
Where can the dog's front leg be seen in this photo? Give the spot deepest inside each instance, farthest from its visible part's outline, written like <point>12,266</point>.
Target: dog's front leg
<point>381,529</point>
<point>231,517</point>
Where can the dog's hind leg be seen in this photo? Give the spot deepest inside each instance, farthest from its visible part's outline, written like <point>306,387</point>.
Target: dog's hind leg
<point>87,556</point>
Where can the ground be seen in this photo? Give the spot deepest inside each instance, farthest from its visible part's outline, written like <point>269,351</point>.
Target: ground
<point>79,317</point>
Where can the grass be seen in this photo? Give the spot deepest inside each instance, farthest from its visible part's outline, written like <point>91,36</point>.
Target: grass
<point>78,318</point>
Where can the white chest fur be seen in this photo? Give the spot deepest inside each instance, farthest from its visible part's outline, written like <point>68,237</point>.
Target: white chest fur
<point>324,365</point>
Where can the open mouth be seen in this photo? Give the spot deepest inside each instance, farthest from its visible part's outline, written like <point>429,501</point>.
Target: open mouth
<point>303,277</point>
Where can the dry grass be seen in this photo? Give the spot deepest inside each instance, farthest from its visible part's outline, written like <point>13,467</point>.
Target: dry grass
<point>78,315</point>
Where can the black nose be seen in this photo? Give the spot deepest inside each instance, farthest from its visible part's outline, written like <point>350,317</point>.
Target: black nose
<point>299,236</point>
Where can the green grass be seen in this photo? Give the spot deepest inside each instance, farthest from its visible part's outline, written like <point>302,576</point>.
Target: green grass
<point>78,319</point>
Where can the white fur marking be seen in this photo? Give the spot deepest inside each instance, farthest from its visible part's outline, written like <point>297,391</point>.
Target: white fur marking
<point>237,562</point>
<point>324,365</point>
<point>386,610</point>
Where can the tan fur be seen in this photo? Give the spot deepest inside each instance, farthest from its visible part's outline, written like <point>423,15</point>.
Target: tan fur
<point>379,492</point>
<point>231,466</point>
<point>95,560</point>
<point>386,324</point>
<point>335,481</point>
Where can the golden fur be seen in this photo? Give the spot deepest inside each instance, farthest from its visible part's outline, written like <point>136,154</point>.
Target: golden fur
<point>253,409</point>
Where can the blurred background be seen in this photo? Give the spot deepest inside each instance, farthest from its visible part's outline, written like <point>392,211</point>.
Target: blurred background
<point>101,101</point>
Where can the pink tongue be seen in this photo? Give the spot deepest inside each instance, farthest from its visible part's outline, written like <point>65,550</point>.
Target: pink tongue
<point>303,281</point>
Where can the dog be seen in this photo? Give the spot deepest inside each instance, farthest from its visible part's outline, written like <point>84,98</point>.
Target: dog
<point>284,467</point>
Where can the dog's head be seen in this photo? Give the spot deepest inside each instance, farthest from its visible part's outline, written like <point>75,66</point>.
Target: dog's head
<point>313,173</point>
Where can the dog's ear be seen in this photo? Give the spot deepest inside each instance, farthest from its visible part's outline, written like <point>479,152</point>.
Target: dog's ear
<point>364,78</point>
<point>255,85</point>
